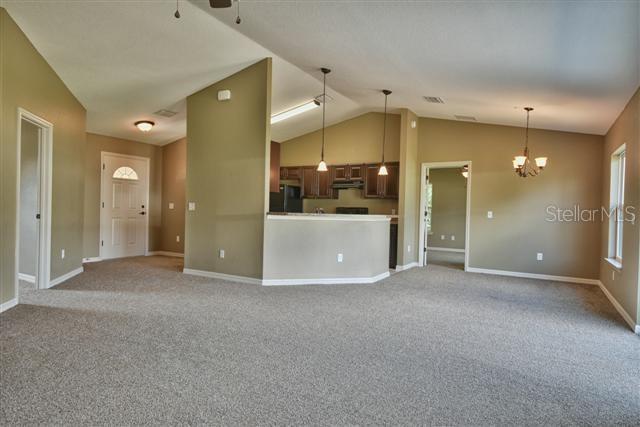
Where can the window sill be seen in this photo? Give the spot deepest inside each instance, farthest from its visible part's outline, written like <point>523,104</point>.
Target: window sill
<point>615,263</point>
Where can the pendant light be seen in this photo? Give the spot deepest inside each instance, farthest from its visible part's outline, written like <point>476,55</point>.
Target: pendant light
<point>383,168</point>
<point>522,165</point>
<point>322,166</point>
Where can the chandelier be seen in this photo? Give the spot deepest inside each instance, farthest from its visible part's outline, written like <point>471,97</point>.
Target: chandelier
<point>522,165</point>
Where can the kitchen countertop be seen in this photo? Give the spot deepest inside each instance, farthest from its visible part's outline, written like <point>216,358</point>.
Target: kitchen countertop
<point>329,217</point>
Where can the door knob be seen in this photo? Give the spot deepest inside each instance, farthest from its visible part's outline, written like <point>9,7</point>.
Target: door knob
<point>142,213</point>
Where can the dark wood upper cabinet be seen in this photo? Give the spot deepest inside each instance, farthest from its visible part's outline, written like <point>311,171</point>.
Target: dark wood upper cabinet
<point>309,182</point>
<point>324,185</point>
<point>392,181</point>
<point>340,173</point>
<point>356,172</point>
<point>372,182</point>
<point>382,187</point>
<point>274,170</point>
<point>316,185</point>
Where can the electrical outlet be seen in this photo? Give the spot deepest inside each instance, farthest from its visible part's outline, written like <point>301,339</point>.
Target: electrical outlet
<point>408,248</point>
<point>62,254</point>
<point>171,205</point>
<point>453,237</point>
<point>192,206</point>
<point>613,275</point>
<point>442,237</point>
<point>539,256</point>
<point>340,257</point>
<point>221,253</point>
<point>178,238</point>
<point>490,214</point>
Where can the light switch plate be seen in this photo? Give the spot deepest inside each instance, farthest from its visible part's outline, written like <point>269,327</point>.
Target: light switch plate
<point>171,205</point>
<point>192,206</point>
<point>178,238</point>
<point>62,254</point>
<point>539,256</point>
<point>221,253</point>
<point>340,258</point>
<point>489,214</point>
<point>408,248</point>
<point>453,237</point>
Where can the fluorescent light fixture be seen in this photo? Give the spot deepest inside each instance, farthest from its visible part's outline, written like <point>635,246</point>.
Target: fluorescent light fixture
<point>294,111</point>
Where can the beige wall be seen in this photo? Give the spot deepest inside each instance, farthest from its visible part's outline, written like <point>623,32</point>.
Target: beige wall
<point>97,144</point>
<point>624,288</point>
<point>308,248</point>
<point>228,173</point>
<point>409,189</point>
<point>29,187</point>
<point>519,230</point>
<point>27,81</point>
<point>449,208</point>
<point>174,173</point>
<point>351,197</point>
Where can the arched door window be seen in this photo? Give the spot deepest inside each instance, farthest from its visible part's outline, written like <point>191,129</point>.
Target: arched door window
<point>125,172</point>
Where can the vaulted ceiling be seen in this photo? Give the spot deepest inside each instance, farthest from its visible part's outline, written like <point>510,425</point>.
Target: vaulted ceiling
<point>577,63</point>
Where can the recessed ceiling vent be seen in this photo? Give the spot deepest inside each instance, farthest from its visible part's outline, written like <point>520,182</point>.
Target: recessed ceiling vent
<point>320,98</point>
<point>465,118</point>
<point>434,99</point>
<point>165,113</point>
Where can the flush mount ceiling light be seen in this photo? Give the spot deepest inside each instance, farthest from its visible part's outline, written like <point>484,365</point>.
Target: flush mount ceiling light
<point>295,111</point>
<point>522,165</point>
<point>144,125</point>
<point>322,166</point>
<point>383,168</point>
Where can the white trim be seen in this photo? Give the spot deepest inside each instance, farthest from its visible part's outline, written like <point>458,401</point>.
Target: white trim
<point>328,217</point>
<point>422,259</point>
<point>222,276</point>
<point>627,318</point>
<point>567,279</point>
<point>9,304</point>
<point>27,278</point>
<point>326,281</point>
<point>407,266</point>
<point>617,265</point>
<point>91,259</point>
<point>147,195</point>
<point>65,277</point>
<point>166,253</point>
<point>45,170</point>
<point>434,248</point>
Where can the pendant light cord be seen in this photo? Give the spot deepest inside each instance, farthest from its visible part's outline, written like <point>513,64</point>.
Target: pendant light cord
<point>384,126</point>
<point>324,103</point>
<point>526,135</point>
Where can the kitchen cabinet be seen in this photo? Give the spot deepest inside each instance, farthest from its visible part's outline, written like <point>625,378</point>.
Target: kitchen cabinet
<point>316,185</point>
<point>382,187</point>
<point>291,172</point>
<point>393,246</point>
<point>274,169</point>
<point>341,173</point>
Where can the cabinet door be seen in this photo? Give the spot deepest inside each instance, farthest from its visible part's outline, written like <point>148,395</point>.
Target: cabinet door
<point>294,173</point>
<point>324,185</point>
<point>392,181</point>
<point>340,173</point>
<point>356,172</point>
<point>309,182</point>
<point>274,170</point>
<point>372,187</point>
<point>283,173</point>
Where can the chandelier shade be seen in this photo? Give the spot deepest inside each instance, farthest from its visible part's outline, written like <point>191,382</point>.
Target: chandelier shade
<point>522,165</point>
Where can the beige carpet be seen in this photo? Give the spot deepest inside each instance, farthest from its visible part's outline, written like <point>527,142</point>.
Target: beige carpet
<point>134,341</point>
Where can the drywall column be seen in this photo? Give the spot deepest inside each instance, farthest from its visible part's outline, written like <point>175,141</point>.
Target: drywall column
<point>227,174</point>
<point>408,203</point>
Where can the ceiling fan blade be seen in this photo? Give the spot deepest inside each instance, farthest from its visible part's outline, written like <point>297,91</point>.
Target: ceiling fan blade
<point>218,4</point>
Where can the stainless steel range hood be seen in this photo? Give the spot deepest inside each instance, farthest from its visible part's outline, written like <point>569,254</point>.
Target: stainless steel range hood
<point>341,185</point>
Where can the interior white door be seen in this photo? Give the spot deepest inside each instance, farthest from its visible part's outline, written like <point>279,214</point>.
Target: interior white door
<point>124,206</point>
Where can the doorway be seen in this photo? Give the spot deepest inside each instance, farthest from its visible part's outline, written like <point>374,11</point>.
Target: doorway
<point>445,195</point>
<point>124,205</point>
<point>33,202</point>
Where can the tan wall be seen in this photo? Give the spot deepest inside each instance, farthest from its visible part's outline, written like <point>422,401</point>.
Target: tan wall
<point>28,198</point>
<point>519,230</point>
<point>409,189</point>
<point>289,253</point>
<point>27,81</point>
<point>624,288</point>
<point>174,173</point>
<point>358,140</point>
<point>97,144</point>
<point>449,208</point>
<point>228,173</point>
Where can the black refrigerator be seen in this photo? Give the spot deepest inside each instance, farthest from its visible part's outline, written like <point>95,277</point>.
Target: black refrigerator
<point>287,200</point>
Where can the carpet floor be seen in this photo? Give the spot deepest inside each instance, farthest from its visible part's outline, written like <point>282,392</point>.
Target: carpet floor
<point>134,341</point>
<point>446,259</point>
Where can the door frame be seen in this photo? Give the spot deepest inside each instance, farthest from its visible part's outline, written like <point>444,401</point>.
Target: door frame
<point>146,197</point>
<point>45,169</point>
<point>422,259</point>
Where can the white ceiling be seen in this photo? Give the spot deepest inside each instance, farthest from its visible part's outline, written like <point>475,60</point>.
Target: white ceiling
<point>576,63</point>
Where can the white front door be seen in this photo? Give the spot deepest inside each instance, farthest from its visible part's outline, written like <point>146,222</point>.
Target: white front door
<point>124,206</point>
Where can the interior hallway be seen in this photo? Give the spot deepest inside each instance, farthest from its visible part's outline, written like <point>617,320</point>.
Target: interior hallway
<point>133,341</point>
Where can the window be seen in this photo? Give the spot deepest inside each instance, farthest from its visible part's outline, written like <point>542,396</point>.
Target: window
<point>616,213</point>
<point>125,172</point>
<point>429,206</point>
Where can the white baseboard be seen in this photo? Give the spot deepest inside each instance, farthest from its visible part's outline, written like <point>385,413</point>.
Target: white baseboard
<point>326,281</point>
<point>567,279</point>
<point>91,259</point>
<point>406,266</point>
<point>65,277</point>
<point>222,276</point>
<point>27,278</point>
<point>627,318</point>
<point>433,248</point>
<point>9,304</point>
<point>166,253</point>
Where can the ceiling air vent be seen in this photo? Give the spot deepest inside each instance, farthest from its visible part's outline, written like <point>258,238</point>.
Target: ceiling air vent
<point>466,118</point>
<point>434,99</point>
<point>165,113</point>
